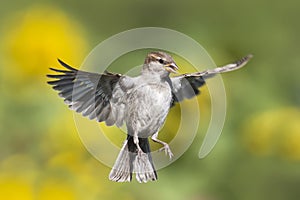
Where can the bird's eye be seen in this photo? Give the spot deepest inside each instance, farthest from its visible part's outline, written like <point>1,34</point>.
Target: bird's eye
<point>161,61</point>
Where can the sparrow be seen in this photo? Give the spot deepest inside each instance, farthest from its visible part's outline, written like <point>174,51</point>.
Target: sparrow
<point>141,102</point>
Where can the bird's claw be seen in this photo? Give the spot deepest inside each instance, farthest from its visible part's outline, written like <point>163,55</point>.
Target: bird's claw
<point>167,150</point>
<point>139,151</point>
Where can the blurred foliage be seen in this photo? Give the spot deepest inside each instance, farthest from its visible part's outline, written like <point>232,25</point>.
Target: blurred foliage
<point>258,154</point>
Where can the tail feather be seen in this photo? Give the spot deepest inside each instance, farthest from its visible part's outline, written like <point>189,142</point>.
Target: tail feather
<point>130,161</point>
<point>144,169</point>
<point>143,164</point>
<point>122,169</point>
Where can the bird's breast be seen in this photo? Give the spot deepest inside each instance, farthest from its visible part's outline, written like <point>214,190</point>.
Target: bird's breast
<point>147,95</point>
<point>148,106</point>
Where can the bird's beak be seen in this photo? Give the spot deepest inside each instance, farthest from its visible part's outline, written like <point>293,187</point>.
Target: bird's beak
<point>172,68</point>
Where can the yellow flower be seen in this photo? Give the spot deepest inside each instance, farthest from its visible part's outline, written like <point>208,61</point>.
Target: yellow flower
<point>259,131</point>
<point>36,38</point>
<point>15,188</point>
<point>58,189</point>
<point>17,182</point>
<point>274,133</point>
<point>290,144</point>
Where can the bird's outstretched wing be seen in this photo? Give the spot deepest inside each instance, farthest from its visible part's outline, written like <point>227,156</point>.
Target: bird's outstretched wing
<point>187,85</point>
<point>98,96</point>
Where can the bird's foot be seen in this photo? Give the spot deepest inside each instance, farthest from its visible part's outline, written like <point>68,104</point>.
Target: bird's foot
<point>139,151</point>
<point>167,150</point>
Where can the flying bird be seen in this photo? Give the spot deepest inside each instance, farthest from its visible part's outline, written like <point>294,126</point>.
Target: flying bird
<point>141,102</point>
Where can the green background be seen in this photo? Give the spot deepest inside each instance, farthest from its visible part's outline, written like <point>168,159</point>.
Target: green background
<point>258,154</point>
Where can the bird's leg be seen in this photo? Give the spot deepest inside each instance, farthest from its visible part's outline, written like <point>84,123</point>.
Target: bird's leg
<point>165,148</point>
<point>136,142</point>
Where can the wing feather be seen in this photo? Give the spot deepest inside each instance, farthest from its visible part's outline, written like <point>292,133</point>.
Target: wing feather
<point>90,94</point>
<point>187,85</point>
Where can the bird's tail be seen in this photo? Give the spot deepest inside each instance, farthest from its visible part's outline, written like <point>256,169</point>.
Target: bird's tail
<point>129,161</point>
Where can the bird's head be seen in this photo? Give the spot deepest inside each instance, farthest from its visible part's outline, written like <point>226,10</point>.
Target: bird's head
<point>160,63</point>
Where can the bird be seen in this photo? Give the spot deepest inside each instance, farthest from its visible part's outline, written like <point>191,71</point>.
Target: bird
<point>141,102</point>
